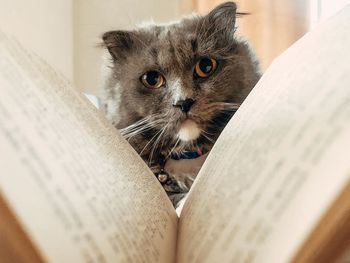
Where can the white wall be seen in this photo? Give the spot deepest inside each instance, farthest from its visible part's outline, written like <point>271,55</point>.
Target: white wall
<point>330,7</point>
<point>49,28</point>
<point>323,9</point>
<point>44,26</point>
<point>93,17</point>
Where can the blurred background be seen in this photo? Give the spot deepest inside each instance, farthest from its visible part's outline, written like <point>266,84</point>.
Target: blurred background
<point>66,32</point>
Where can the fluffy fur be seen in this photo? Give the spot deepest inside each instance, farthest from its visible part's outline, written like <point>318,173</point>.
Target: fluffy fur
<point>147,117</point>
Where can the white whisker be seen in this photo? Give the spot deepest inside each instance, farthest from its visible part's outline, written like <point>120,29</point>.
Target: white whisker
<point>144,148</point>
<point>156,142</point>
<point>140,126</point>
<point>207,137</point>
<point>171,151</point>
<point>207,133</point>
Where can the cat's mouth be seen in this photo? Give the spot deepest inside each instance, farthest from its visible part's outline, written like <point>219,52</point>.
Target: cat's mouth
<point>189,130</point>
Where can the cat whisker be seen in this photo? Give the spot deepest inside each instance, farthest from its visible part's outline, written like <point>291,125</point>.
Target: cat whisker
<point>143,120</point>
<point>172,149</point>
<point>136,124</point>
<point>157,141</point>
<point>150,141</point>
<point>139,129</point>
<point>207,137</point>
<point>208,133</point>
<point>232,105</point>
<point>229,110</point>
<point>216,122</point>
<point>128,130</point>
<point>222,107</point>
<point>225,105</point>
<point>128,137</point>
<point>140,126</point>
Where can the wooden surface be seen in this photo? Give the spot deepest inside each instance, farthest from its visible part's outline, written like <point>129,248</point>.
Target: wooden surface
<point>15,246</point>
<point>330,239</point>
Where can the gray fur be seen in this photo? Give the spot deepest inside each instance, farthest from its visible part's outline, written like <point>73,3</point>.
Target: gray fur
<point>174,50</point>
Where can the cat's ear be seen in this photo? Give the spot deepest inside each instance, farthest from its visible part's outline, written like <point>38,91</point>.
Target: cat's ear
<point>118,43</point>
<point>223,18</point>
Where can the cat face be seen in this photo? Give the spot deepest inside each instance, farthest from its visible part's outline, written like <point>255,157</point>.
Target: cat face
<point>174,87</point>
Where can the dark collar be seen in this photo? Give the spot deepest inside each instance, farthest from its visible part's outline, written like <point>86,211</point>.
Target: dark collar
<point>187,154</point>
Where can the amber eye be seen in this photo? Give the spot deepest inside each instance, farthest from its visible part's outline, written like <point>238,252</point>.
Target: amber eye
<point>205,67</point>
<point>152,79</point>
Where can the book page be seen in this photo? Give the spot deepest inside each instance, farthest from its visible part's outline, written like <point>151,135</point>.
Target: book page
<point>281,161</point>
<point>78,189</point>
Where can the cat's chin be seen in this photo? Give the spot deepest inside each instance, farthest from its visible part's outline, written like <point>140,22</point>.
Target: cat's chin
<point>188,131</point>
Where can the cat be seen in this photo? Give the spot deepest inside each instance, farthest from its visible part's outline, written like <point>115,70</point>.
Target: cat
<point>171,89</point>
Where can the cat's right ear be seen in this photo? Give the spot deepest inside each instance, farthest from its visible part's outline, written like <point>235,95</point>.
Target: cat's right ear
<point>221,21</point>
<point>118,43</point>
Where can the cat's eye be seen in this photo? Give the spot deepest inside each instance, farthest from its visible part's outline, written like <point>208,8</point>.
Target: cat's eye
<point>205,67</point>
<point>152,79</point>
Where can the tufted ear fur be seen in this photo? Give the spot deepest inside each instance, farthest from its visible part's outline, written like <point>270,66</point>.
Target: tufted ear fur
<point>118,43</point>
<point>222,19</point>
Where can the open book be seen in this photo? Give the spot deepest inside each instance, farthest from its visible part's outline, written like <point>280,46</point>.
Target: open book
<point>275,187</point>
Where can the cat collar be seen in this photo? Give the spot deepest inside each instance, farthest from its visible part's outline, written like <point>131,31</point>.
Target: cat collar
<point>187,154</point>
<point>163,176</point>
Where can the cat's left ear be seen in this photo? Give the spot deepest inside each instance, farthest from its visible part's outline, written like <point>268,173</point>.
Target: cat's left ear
<point>223,18</point>
<point>118,43</point>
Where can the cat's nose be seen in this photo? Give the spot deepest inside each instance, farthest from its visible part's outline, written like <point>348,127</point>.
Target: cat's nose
<point>184,105</point>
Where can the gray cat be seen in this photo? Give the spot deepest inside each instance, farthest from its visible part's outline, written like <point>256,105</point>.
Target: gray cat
<point>171,89</point>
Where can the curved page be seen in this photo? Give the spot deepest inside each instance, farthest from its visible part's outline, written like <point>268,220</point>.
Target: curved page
<point>79,190</point>
<point>281,161</point>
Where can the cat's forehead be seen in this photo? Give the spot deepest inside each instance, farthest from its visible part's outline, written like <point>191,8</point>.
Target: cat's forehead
<point>178,33</point>
<point>173,45</point>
